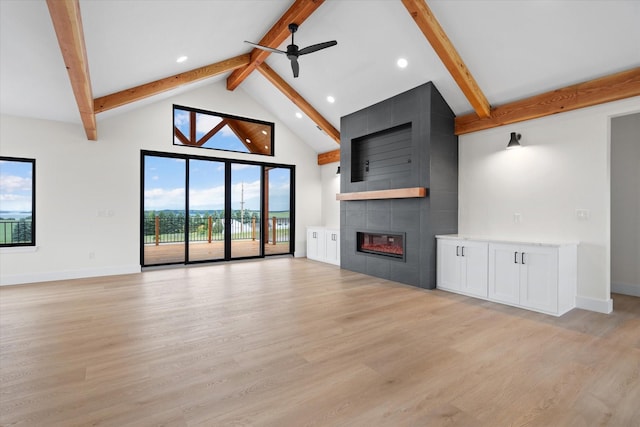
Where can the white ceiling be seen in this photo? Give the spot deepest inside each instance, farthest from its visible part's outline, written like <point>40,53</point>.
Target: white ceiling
<point>513,48</point>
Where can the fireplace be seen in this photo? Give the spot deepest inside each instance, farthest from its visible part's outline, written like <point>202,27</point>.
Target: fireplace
<point>388,245</point>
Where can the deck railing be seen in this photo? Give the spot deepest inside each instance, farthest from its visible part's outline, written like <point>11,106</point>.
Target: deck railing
<point>159,230</point>
<point>15,231</point>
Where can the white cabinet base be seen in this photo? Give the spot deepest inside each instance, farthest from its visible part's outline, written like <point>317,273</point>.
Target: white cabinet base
<point>535,276</point>
<point>323,244</point>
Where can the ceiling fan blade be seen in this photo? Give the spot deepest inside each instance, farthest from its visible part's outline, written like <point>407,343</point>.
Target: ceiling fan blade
<point>295,67</point>
<point>316,47</point>
<point>268,49</point>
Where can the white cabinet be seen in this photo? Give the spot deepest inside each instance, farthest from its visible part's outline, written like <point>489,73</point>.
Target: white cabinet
<point>536,276</point>
<point>462,267</point>
<point>524,275</point>
<point>323,244</point>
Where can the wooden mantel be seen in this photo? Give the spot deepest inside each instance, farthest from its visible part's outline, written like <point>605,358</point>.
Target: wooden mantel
<point>398,193</point>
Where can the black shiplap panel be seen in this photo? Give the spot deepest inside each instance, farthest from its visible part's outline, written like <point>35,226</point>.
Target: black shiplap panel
<point>388,153</point>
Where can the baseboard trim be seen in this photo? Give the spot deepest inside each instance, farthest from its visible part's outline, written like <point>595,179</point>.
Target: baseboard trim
<point>21,279</point>
<point>597,305</point>
<point>626,289</point>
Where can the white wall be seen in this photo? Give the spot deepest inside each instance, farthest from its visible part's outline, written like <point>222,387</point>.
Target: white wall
<point>330,187</point>
<point>88,193</point>
<point>563,166</point>
<point>625,204</point>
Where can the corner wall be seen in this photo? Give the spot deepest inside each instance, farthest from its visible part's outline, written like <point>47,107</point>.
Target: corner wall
<point>77,179</point>
<point>625,204</point>
<point>564,165</point>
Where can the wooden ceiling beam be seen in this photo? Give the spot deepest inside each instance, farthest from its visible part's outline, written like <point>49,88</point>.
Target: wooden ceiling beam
<point>146,90</point>
<point>299,101</point>
<point>67,24</point>
<point>613,87</point>
<point>329,157</point>
<point>430,27</point>
<point>299,11</point>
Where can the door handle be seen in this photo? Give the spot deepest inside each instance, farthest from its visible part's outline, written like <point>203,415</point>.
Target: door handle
<point>515,257</point>
<point>457,249</point>
<point>522,258</point>
<point>463,251</point>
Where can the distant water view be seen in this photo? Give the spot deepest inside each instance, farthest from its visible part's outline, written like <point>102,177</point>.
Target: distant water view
<point>14,214</point>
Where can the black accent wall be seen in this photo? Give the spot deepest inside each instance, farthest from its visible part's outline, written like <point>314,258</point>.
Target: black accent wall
<point>404,141</point>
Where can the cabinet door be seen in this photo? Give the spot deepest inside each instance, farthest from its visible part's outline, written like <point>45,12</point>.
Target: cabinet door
<point>448,265</point>
<point>504,273</point>
<point>332,246</point>
<point>539,278</point>
<point>313,246</point>
<point>474,275</point>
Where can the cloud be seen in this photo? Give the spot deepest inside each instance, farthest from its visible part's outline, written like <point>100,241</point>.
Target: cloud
<point>13,183</point>
<point>160,198</point>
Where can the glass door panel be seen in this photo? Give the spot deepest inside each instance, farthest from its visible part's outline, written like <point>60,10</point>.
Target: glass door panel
<point>277,182</point>
<point>246,202</point>
<point>164,210</point>
<point>206,210</point>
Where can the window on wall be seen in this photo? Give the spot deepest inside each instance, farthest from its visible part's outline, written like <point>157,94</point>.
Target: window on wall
<point>17,202</point>
<point>218,131</point>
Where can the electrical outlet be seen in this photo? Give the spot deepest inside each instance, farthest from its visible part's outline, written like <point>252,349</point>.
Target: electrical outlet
<point>517,218</point>
<point>92,255</point>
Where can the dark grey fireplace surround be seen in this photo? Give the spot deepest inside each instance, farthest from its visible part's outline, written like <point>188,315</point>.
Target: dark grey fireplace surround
<point>405,141</point>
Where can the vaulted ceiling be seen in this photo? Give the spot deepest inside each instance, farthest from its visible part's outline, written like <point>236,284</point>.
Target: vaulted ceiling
<point>514,50</point>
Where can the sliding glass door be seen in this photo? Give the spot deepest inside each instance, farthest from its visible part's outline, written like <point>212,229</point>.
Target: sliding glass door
<point>206,210</point>
<point>246,208</point>
<point>197,209</point>
<point>278,201</point>
<point>163,212</point>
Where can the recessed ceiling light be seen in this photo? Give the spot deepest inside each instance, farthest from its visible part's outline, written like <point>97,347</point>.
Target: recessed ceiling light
<point>402,63</point>
<point>181,59</point>
<point>299,115</point>
<point>266,147</point>
<point>248,141</point>
<point>264,132</point>
<point>331,99</point>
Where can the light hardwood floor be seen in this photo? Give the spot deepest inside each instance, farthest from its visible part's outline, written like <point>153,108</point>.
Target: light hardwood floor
<point>292,342</point>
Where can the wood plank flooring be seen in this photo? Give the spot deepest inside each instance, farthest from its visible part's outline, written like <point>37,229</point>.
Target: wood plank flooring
<point>292,342</point>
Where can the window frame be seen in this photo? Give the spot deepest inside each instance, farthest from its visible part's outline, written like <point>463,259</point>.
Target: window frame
<point>32,243</point>
<point>224,116</point>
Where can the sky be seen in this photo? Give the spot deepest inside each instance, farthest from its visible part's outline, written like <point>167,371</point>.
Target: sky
<point>15,186</point>
<point>165,185</point>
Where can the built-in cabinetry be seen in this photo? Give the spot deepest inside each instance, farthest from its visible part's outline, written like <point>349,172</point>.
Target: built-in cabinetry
<point>462,266</point>
<point>536,276</point>
<point>323,244</point>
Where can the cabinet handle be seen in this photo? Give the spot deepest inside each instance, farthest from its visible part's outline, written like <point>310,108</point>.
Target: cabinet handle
<point>522,258</point>
<point>457,248</point>
<point>315,235</point>
<point>463,251</point>
<point>515,257</point>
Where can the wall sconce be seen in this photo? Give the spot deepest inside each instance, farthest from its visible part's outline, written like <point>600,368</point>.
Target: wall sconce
<point>338,171</point>
<point>514,142</point>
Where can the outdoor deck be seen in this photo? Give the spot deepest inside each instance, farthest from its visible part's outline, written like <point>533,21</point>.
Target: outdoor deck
<point>200,251</point>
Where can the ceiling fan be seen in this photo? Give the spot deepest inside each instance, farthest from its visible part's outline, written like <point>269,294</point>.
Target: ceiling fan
<point>293,52</point>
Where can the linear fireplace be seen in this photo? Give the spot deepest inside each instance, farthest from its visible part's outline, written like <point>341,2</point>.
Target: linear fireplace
<point>389,245</point>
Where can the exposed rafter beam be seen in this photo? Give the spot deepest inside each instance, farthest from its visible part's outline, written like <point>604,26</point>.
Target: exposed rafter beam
<point>329,157</point>
<point>298,100</point>
<point>448,54</point>
<point>299,11</point>
<point>67,23</point>
<point>605,89</point>
<point>137,93</point>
